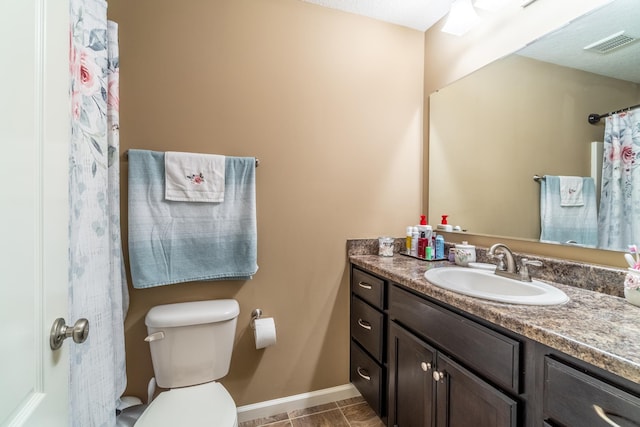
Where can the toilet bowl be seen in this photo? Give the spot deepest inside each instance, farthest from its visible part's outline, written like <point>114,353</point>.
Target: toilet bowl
<point>191,345</point>
<point>202,405</point>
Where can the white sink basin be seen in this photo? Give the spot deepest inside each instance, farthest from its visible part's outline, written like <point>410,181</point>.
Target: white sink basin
<point>487,285</point>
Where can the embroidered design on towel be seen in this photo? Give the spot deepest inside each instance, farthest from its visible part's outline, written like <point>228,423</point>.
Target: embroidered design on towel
<point>571,191</point>
<point>196,179</point>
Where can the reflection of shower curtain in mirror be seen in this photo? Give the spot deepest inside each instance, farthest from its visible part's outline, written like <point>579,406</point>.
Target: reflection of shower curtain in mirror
<point>619,213</point>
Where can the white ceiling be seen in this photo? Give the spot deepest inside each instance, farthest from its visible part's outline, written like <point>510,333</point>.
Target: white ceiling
<point>416,14</point>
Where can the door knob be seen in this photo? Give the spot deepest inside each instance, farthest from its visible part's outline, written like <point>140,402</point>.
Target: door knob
<point>60,331</point>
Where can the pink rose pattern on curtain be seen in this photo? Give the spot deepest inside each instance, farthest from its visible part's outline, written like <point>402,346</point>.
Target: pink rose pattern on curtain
<point>619,213</point>
<point>97,283</point>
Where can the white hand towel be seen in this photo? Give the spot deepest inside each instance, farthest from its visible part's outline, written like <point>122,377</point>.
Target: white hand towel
<point>191,177</point>
<point>571,191</point>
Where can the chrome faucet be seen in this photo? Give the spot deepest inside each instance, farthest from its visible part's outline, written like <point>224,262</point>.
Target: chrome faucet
<point>511,270</point>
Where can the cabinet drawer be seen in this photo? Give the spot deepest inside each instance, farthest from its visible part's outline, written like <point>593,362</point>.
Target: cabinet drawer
<point>573,398</point>
<point>368,287</point>
<point>491,354</point>
<point>367,327</point>
<point>368,377</point>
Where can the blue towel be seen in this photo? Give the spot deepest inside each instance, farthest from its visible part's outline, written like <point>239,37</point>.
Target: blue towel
<point>568,224</point>
<point>174,242</point>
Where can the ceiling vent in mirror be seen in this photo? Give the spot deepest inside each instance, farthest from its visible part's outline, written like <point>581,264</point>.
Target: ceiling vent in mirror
<point>607,44</point>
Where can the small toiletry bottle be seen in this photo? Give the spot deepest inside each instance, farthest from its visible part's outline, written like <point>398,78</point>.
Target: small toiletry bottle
<point>440,247</point>
<point>433,244</point>
<point>452,254</point>
<point>408,239</point>
<point>414,241</point>
<point>428,236</point>
<point>422,245</point>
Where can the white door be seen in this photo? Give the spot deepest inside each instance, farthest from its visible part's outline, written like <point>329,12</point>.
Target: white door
<point>34,135</point>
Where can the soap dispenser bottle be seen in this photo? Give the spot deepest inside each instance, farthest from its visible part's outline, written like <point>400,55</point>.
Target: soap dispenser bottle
<point>444,225</point>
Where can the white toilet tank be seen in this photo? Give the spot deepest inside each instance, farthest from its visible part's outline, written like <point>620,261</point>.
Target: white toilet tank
<point>191,342</point>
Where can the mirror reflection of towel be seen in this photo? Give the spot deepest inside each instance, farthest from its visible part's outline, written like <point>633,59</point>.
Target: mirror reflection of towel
<point>571,191</point>
<point>568,223</point>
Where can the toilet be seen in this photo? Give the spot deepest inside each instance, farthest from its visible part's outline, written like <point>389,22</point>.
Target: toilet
<point>191,345</point>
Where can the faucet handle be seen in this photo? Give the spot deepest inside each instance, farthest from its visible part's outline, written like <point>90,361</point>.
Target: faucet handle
<point>500,264</point>
<point>524,270</point>
<point>534,262</point>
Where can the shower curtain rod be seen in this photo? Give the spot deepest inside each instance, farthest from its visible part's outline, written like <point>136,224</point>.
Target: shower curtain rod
<point>595,118</point>
<point>126,157</point>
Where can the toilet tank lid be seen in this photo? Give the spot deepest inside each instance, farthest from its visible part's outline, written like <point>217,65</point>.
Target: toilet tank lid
<point>192,313</point>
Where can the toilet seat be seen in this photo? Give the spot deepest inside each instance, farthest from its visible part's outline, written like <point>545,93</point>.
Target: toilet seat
<point>208,404</point>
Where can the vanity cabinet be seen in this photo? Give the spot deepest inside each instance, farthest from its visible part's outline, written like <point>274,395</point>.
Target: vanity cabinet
<point>447,371</point>
<point>368,371</point>
<point>422,363</point>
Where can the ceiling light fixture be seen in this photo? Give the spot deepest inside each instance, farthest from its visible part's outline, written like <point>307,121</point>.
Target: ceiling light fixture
<point>462,17</point>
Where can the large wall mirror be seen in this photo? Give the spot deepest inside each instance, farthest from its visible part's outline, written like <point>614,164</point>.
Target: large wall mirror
<point>526,114</point>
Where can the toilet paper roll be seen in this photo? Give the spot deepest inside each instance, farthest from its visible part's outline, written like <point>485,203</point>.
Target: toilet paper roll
<point>264,332</point>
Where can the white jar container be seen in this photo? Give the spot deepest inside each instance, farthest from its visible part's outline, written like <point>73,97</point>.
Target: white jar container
<point>385,246</point>
<point>465,254</point>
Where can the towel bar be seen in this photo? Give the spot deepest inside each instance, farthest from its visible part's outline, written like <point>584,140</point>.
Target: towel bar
<point>126,157</point>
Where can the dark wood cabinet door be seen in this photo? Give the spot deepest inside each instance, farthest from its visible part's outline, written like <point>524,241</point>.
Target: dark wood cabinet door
<point>411,387</point>
<point>465,400</point>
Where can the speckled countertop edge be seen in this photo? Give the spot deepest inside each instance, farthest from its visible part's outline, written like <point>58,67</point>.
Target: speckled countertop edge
<point>600,329</point>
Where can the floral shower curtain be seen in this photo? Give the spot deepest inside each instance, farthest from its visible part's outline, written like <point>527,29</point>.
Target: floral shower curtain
<point>97,281</point>
<point>619,213</point>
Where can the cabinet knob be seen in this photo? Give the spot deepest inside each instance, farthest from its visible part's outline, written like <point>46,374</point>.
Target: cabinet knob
<point>425,366</point>
<point>438,376</point>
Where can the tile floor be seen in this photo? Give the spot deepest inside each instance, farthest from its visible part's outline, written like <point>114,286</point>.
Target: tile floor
<point>353,412</point>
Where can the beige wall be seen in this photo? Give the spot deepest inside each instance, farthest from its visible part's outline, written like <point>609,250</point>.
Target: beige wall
<point>331,104</point>
<point>449,58</point>
<point>493,130</point>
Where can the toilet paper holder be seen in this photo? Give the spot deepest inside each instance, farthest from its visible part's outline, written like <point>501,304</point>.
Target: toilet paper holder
<point>255,314</point>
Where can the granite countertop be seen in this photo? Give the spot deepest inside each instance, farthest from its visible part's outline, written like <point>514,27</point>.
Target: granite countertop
<point>597,328</point>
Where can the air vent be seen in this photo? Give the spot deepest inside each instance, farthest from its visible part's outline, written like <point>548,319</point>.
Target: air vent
<point>607,44</point>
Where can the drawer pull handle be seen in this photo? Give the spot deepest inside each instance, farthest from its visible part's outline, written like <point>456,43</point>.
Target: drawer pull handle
<point>602,414</point>
<point>365,325</point>
<point>363,375</point>
<point>438,376</point>
<point>365,285</point>
<point>425,366</point>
